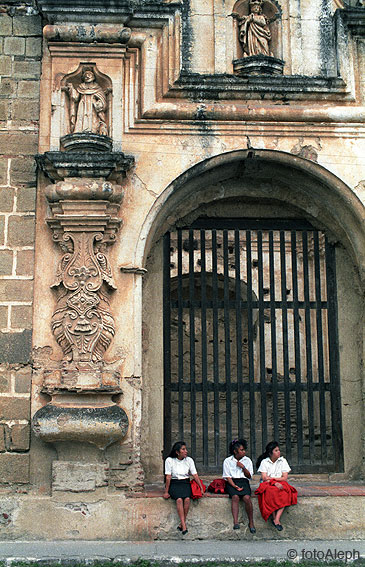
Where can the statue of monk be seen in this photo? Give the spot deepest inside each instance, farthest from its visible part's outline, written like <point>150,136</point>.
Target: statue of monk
<point>254,31</point>
<point>88,105</point>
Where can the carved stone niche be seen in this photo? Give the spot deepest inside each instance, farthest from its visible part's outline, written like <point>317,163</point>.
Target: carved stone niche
<point>257,37</point>
<point>86,105</point>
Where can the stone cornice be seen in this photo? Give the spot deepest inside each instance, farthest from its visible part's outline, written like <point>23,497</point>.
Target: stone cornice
<point>354,18</point>
<point>218,87</point>
<point>94,11</point>
<point>59,165</point>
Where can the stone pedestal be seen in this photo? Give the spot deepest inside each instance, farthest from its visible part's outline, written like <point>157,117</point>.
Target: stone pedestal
<point>258,65</point>
<point>82,418</point>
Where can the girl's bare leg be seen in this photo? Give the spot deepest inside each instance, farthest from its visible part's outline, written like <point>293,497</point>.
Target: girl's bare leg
<point>235,508</point>
<point>180,511</point>
<point>186,509</point>
<point>278,515</point>
<point>249,509</point>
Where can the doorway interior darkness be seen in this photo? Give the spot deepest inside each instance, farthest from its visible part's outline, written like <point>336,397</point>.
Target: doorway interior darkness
<point>250,341</point>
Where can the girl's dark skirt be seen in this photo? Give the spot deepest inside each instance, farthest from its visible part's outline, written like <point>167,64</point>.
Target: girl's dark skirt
<point>180,488</point>
<point>242,483</point>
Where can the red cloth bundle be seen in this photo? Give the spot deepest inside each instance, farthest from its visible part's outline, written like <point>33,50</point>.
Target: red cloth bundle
<point>217,486</point>
<point>195,489</point>
<point>271,498</point>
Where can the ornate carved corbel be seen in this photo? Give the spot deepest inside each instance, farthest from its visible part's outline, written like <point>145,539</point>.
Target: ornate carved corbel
<point>84,200</point>
<point>82,322</point>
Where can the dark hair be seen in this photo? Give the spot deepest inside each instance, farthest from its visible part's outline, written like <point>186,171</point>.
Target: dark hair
<point>176,448</point>
<point>236,444</point>
<point>268,452</point>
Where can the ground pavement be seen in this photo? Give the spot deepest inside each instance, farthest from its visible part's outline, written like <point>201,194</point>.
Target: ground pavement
<point>183,550</point>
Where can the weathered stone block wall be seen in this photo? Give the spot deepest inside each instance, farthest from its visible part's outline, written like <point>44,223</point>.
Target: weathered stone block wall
<point>20,45</point>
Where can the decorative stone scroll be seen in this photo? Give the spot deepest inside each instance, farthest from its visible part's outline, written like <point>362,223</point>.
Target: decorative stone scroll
<point>82,323</point>
<point>84,201</point>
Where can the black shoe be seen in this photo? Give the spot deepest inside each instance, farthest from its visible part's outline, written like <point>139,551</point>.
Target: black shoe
<point>179,528</point>
<point>279,527</point>
<point>253,530</point>
<point>184,532</point>
<point>236,526</point>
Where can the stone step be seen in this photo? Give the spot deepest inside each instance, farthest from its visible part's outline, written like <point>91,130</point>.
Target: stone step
<point>323,512</point>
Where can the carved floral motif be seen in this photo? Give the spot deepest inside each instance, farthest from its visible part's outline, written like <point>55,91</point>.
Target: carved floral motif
<point>82,323</point>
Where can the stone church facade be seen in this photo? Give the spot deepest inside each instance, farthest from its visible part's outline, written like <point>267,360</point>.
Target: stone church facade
<point>182,248</point>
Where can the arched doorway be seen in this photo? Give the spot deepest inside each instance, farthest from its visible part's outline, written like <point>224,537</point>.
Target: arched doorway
<point>250,341</point>
<point>261,185</point>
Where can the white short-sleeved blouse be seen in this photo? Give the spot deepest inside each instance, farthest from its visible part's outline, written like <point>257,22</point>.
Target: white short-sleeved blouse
<point>274,470</point>
<point>180,469</point>
<point>231,470</point>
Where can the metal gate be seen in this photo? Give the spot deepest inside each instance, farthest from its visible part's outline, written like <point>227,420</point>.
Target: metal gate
<point>250,341</point>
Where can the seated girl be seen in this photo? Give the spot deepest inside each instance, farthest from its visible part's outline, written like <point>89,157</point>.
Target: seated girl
<point>274,493</point>
<point>178,468</point>
<point>237,469</point>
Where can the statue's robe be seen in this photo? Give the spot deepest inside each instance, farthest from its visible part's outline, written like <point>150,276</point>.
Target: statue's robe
<point>89,114</point>
<point>255,35</point>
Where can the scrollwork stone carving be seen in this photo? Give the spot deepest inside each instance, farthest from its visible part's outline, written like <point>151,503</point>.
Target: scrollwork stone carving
<point>82,323</point>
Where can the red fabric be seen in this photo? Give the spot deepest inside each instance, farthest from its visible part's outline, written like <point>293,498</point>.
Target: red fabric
<point>271,498</point>
<point>195,489</point>
<point>217,486</point>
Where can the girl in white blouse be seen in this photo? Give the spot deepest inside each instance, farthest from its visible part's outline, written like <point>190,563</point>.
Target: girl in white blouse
<point>237,469</point>
<point>275,494</point>
<point>178,468</point>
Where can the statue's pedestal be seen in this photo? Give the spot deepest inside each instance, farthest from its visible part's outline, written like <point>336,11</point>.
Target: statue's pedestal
<point>86,142</point>
<point>81,415</point>
<point>258,65</point>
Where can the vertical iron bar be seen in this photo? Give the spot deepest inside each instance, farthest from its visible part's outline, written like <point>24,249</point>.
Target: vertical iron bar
<point>167,341</point>
<point>285,344</point>
<point>204,346</point>
<point>298,370</point>
<point>192,343</point>
<point>250,337</point>
<point>322,401</point>
<point>334,357</point>
<point>273,336</point>
<point>227,345</point>
<point>239,332</point>
<point>215,347</point>
<point>180,335</point>
<point>308,346</point>
<point>262,339</point>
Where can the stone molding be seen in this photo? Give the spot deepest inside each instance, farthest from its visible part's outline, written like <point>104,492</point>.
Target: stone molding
<point>354,18</point>
<point>87,33</point>
<point>174,81</point>
<point>58,166</point>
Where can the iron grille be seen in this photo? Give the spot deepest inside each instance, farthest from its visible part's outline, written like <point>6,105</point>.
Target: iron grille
<point>250,341</point>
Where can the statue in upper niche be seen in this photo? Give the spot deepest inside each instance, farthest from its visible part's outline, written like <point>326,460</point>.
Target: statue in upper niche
<point>254,31</point>
<point>88,105</point>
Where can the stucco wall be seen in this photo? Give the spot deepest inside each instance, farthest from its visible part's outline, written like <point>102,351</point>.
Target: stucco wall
<point>190,125</point>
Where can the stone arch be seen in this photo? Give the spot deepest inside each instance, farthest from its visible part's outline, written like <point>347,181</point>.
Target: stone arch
<point>287,183</point>
<point>319,195</point>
